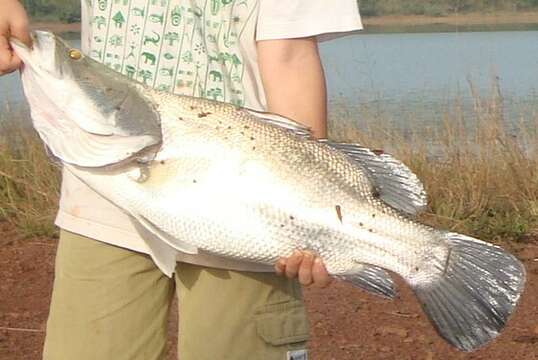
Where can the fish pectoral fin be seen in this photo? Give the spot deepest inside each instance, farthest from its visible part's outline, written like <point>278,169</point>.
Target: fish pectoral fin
<point>165,237</point>
<point>372,279</point>
<point>396,184</point>
<point>281,121</point>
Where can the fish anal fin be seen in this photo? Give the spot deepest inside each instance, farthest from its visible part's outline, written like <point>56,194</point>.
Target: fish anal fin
<point>373,279</point>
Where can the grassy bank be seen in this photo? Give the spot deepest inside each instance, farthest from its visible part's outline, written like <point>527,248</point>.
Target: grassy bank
<point>481,177</point>
<point>29,182</point>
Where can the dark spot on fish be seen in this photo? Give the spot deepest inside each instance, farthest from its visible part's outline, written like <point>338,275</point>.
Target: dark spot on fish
<point>378,152</point>
<point>194,181</point>
<point>203,114</point>
<point>251,138</point>
<point>292,218</point>
<point>376,194</point>
<point>361,224</point>
<point>370,230</point>
<point>416,268</point>
<point>118,108</point>
<point>229,128</point>
<point>246,127</point>
<point>254,148</point>
<point>281,225</point>
<point>242,133</point>
<point>373,215</point>
<point>192,107</point>
<point>339,212</point>
<point>180,118</point>
<point>162,162</point>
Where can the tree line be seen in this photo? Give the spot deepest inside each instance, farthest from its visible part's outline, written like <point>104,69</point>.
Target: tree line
<point>69,10</point>
<point>53,10</point>
<point>441,7</point>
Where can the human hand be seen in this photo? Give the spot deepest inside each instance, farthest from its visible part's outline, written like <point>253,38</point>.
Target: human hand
<point>13,23</point>
<point>309,269</point>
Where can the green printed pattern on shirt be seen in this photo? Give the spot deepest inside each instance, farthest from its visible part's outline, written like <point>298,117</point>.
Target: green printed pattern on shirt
<point>183,46</point>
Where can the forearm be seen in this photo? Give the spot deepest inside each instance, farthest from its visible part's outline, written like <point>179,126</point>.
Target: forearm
<point>294,81</point>
<point>294,86</point>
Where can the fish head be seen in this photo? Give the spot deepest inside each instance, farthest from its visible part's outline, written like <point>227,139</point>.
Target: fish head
<point>52,75</point>
<point>47,58</point>
<point>69,92</point>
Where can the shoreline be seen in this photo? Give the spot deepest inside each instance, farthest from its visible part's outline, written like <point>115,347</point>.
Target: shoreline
<point>385,21</point>
<point>474,18</point>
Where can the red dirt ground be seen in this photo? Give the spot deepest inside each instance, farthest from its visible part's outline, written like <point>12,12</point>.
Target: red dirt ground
<point>345,323</point>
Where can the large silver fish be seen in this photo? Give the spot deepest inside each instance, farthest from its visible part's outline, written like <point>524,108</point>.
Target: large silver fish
<point>208,176</point>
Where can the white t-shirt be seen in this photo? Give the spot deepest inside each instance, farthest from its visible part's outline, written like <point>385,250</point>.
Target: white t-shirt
<point>204,48</point>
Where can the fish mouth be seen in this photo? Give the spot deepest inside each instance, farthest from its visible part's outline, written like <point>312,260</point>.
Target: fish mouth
<point>40,57</point>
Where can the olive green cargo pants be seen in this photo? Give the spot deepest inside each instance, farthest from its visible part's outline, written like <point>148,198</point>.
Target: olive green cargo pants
<point>109,303</point>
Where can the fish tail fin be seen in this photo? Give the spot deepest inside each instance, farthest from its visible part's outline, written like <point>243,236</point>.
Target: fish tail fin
<point>477,290</point>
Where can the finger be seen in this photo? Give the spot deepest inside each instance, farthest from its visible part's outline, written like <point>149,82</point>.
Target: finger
<point>8,60</point>
<point>293,263</point>
<point>305,269</point>
<point>280,266</point>
<point>20,30</point>
<point>4,29</point>
<point>320,275</point>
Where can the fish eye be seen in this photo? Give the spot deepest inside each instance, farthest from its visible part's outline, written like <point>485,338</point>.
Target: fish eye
<point>75,54</point>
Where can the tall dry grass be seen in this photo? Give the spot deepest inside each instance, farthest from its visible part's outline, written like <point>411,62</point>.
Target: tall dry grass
<point>481,175</point>
<point>480,171</point>
<point>29,182</point>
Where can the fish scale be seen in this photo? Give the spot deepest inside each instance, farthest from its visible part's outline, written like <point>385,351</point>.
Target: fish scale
<point>200,176</point>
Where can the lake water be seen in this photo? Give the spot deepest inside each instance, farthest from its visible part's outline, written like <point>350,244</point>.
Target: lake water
<point>414,74</point>
<point>400,77</point>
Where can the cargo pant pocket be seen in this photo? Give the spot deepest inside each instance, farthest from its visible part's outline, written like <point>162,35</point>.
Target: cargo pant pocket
<point>284,329</point>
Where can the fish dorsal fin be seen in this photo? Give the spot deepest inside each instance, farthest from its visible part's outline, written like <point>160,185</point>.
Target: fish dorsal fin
<point>397,186</point>
<point>372,279</point>
<point>281,121</point>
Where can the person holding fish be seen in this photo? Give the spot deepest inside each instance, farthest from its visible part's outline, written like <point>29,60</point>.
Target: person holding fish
<point>114,281</point>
